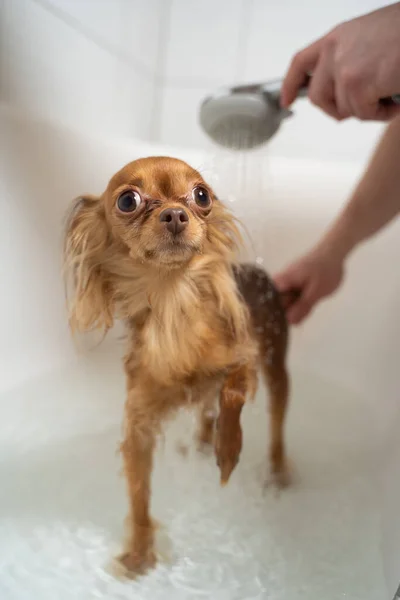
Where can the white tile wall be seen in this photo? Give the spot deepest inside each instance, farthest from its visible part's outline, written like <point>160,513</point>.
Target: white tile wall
<point>130,27</point>
<point>101,19</point>
<point>203,41</point>
<point>89,63</point>
<point>179,116</point>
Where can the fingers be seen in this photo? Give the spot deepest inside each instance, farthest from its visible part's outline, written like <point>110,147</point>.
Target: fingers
<point>356,98</point>
<point>307,289</point>
<point>302,64</point>
<point>322,88</point>
<point>343,103</point>
<point>381,111</point>
<point>302,308</point>
<point>286,282</point>
<point>386,113</point>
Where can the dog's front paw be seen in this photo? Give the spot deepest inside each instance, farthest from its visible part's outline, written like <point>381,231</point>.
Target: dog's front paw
<point>138,554</point>
<point>206,433</point>
<point>228,445</point>
<point>136,563</point>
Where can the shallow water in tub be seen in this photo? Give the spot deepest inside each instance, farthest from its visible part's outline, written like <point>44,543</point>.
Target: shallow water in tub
<point>62,499</point>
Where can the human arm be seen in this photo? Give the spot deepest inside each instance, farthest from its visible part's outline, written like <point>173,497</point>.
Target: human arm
<point>373,204</point>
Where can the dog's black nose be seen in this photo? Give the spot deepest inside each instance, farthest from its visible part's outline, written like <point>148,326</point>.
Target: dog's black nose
<point>175,219</point>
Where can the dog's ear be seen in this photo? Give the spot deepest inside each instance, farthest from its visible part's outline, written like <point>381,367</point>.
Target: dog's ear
<point>87,286</point>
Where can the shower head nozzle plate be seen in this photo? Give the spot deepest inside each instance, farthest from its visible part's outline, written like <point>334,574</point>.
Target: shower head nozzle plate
<point>242,118</point>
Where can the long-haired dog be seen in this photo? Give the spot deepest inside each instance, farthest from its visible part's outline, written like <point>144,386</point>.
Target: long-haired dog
<point>158,250</point>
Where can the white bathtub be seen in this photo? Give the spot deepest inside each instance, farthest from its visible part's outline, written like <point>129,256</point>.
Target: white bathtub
<point>334,534</point>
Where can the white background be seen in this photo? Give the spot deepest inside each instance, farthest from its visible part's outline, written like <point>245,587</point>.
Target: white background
<point>139,68</point>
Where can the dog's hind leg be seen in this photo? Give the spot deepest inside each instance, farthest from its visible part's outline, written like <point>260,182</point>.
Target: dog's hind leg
<point>277,380</point>
<point>207,420</point>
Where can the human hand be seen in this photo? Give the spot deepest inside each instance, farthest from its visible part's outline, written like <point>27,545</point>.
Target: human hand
<point>315,275</point>
<point>353,67</point>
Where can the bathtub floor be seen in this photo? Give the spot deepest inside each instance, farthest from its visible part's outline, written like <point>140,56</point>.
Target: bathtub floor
<point>62,500</point>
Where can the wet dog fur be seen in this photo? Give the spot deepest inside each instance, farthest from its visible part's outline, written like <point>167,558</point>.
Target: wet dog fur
<point>159,250</point>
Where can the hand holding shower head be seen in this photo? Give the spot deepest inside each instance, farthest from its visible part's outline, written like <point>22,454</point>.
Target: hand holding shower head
<point>247,116</point>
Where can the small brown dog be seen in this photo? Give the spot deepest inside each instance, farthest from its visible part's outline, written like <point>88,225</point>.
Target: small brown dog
<point>157,249</point>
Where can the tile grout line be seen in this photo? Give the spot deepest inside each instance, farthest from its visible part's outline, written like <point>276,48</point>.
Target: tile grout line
<point>246,14</point>
<point>95,38</point>
<point>125,57</point>
<point>164,34</point>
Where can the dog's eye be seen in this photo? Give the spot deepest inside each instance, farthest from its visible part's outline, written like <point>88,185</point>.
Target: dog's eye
<point>129,201</point>
<point>201,197</point>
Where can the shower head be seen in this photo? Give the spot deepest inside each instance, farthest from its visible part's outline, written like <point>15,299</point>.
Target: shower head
<point>246,116</point>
